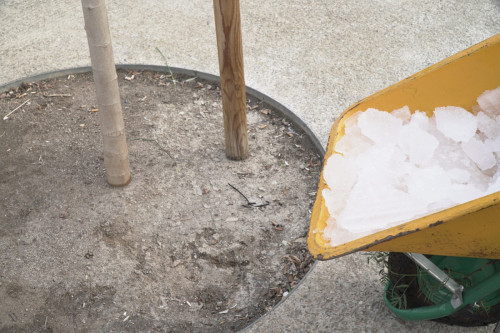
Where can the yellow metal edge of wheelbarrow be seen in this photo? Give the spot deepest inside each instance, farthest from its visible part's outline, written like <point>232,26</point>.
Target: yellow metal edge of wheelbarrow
<point>468,230</point>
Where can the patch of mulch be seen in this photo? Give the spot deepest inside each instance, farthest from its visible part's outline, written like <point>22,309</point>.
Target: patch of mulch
<point>179,249</point>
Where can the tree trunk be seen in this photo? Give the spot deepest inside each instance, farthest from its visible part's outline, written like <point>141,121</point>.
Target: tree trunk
<point>108,96</point>
<point>232,78</point>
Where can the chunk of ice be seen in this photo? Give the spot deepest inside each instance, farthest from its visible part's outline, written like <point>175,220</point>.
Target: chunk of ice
<point>417,144</point>
<point>429,184</point>
<point>404,114</point>
<point>479,153</point>
<point>380,127</point>
<point>493,144</point>
<point>489,101</point>
<point>449,154</point>
<point>420,120</point>
<point>353,144</point>
<point>460,193</point>
<point>460,176</point>
<point>456,123</point>
<point>351,124</point>
<point>341,174</point>
<point>397,167</point>
<point>379,209</point>
<point>495,185</point>
<point>487,125</point>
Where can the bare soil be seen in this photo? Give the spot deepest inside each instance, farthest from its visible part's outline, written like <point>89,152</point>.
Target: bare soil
<point>195,243</point>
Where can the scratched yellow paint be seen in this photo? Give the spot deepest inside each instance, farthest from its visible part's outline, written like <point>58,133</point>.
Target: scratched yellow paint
<point>468,230</point>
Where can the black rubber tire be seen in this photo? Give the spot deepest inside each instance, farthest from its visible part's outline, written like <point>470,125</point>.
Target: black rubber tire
<point>402,271</point>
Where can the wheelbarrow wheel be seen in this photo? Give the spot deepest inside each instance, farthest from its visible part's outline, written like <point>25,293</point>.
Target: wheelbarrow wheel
<point>403,273</point>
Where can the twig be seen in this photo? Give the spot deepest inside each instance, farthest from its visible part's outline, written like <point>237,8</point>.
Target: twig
<point>58,95</point>
<point>11,112</point>
<point>12,316</point>
<point>483,267</point>
<point>249,203</point>
<point>157,143</point>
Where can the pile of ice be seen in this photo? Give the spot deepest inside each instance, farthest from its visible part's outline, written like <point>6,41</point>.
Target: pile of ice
<point>391,168</point>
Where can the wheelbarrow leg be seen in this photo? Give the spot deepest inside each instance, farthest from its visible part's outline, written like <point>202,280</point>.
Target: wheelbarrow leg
<point>438,274</point>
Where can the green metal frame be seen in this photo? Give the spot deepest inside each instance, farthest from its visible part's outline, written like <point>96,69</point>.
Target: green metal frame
<point>484,285</point>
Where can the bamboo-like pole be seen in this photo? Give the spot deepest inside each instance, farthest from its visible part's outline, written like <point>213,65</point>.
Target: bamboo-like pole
<point>108,96</point>
<point>232,78</point>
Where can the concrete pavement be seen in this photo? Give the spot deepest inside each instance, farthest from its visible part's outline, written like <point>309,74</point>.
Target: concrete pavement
<point>316,57</point>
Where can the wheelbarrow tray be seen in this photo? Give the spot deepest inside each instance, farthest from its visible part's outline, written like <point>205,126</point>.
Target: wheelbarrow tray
<point>471,229</point>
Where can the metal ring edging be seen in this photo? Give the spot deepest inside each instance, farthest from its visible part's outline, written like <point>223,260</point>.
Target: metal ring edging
<point>163,69</point>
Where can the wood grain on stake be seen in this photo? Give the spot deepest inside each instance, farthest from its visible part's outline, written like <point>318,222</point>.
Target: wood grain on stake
<point>108,95</point>
<point>228,31</point>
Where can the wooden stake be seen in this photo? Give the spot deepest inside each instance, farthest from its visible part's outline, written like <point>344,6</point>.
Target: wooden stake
<point>232,78</point>
<point>108,96</point>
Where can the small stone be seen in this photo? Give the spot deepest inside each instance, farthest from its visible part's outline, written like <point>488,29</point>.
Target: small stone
<point>197,190</point>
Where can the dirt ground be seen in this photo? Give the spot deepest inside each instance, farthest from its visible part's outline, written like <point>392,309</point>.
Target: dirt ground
<point>195,243</point>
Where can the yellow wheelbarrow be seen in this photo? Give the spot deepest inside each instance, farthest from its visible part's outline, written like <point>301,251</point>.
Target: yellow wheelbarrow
<point>458,279</point>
